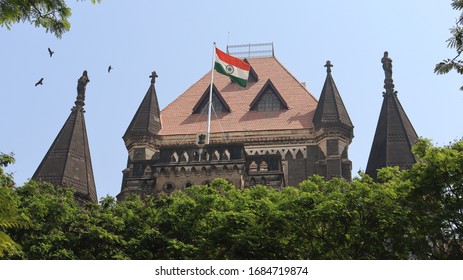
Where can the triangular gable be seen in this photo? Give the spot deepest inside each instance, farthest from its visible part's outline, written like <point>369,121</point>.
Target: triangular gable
<point>216,99</point>
<point>268,86</point>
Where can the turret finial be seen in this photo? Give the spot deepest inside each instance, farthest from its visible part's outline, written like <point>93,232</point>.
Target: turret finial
<point>81,86</point>
<point>387,67</point>
<point>328,66</point>
<point>153,77</point>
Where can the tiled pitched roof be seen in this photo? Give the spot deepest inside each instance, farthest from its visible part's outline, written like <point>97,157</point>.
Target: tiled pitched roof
<point>177,117</point>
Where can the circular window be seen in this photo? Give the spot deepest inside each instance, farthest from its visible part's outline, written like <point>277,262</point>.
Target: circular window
<point>168,187</point>
<point>188,185</point>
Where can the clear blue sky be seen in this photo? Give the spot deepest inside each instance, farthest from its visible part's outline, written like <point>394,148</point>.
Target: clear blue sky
<point>175,38</point>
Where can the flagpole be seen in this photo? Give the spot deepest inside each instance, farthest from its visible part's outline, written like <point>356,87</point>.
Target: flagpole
<point>209,110</point>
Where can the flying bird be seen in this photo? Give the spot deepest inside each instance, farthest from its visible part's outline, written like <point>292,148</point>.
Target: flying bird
<point>40,82</point>
<point>50,52</point>
<point>110,68</point>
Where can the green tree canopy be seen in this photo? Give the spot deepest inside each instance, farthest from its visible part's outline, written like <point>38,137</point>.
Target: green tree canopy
<point>415,213</point>
<point>52,15</point>
<point>10,217</point>
<point>454,42</point>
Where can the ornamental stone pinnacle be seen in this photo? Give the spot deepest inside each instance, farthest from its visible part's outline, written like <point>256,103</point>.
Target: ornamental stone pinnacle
<point>81,87</point>
<point>387,67</point>
<point>153,77</point>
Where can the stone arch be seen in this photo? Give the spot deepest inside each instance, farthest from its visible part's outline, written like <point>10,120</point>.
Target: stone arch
<point>205,156</point>
<point>185,157</point>
<point>174,157</point>
<point>299,155</point>
<point>263,166</point>
<point>215,155</point>
<point>253,166</point>
<point>288,156</point>
<point>263,181</point>
<point>203,170</point>
<point>226,155</point>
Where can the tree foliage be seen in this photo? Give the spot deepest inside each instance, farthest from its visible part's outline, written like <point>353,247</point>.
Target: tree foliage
<point>437,200</point>
<point>454,42</point>
<point>52,15</point>
<point>415,213</point>
<point>10,218</point>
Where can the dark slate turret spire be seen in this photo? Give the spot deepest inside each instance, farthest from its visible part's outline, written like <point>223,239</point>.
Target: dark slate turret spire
<point>395,135</point>
<point>334,130</point>
<point>67,162</point>
<point>140,141</point>
<point>331,111</point>
<point>146,123</point>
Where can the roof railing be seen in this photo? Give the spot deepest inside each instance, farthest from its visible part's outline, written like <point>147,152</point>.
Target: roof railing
<point>251,50</point>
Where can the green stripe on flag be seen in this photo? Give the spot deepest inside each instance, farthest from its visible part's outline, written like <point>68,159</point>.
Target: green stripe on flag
<point>219,68</point>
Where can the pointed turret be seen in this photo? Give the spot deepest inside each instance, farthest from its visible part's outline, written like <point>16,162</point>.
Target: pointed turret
<point>145,125</point>
<point>67,162</point>
<point>395,135</point>
<point>331,111</point>
<point>334,131</point>
<point>140,140</point>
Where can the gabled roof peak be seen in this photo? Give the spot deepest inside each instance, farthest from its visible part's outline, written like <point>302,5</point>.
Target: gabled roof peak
<point>204,100</point>
<point>268,86</point>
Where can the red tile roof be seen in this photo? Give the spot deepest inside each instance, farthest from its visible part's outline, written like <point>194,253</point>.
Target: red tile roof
<point>177,117</point>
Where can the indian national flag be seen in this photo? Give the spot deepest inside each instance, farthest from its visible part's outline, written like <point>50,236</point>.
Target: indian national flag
<point>235,68</point>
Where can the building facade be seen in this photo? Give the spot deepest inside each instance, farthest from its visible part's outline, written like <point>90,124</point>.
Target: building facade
<point>272,132</point>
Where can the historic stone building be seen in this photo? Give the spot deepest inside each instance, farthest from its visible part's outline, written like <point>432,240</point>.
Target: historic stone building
<point>272,132</point>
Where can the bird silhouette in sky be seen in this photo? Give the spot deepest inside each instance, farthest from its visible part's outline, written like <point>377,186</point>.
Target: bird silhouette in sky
<point>40,82</point>
<point>50,52</point>
<point>110,68</point>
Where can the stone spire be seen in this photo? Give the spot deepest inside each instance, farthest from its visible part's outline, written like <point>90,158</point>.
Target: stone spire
<point>67,163</point>
<point>140,140</point>
<point>395,135</point>
<point>146,122</point>
<point>331,111</point>
<point>334,130</point>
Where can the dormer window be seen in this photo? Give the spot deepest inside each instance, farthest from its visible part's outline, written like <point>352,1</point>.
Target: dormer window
<point>218,103</point>
<point>268,99</point>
